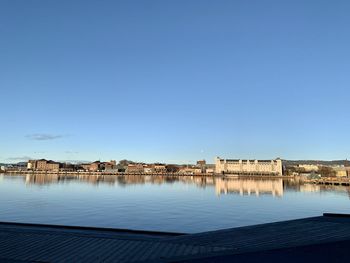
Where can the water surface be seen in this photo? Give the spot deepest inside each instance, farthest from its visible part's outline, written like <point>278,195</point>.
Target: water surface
<point>163,203</point>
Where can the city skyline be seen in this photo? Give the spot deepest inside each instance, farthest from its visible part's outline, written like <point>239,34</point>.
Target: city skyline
<point>212,161</point>
<point>174,81</point>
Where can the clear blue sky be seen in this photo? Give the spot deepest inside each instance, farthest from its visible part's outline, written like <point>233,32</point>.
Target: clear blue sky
<point>174,81</point>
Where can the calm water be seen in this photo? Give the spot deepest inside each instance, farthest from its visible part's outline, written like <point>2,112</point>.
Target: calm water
<point>180,204</point>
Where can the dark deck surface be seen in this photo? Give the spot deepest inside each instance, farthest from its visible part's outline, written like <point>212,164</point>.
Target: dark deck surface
<point>303,239</point>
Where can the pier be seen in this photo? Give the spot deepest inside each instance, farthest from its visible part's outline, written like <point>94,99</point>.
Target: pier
<point>320,239</point>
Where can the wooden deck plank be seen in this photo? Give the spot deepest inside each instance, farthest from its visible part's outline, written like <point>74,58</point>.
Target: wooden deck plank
<point>52,249</point>
<point>36,244</point>
<point>85,244</point>
<point>50,244</point>
<point>277,235</point>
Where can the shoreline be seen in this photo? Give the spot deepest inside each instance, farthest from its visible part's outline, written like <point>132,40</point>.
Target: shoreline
<point>227,176</point>
<point>321,181</point>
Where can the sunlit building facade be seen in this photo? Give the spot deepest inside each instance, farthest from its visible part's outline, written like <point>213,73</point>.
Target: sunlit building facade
<point>248,167</point>
<point>43,165</point>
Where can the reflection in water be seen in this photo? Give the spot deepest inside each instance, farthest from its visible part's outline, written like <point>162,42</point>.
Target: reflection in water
<point>310,188</point>
<point>163,203</point>
<point>122,180</point>
<point>242,186</point>
<point>323,188</point>
<point>250,186</point>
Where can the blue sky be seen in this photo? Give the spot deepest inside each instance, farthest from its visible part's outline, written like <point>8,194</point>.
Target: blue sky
<point>174,81</point>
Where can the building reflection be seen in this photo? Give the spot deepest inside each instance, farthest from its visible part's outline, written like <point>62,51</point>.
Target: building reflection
<point>45,179</point>
<point>309,188</point>
<point>42,179</point>
<point>249,186</point>
<point>221,186</point>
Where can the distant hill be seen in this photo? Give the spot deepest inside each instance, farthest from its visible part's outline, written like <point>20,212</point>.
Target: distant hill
<point>317,162</point>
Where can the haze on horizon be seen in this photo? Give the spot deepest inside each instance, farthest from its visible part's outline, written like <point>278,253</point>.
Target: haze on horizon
<point>174,81</point>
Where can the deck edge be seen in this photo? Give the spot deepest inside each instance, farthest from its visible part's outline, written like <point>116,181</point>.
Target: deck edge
<point>87,228</point>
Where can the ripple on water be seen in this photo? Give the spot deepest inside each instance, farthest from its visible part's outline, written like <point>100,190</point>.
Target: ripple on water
<point>182,204</point>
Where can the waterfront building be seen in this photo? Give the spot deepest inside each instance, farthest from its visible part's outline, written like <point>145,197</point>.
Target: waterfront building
<point>347,168</point>
<point>91,167</point>
<point>173,168</point>
<point>201,163</point>
<point>43,165</point>
<point>110,166</point>
<point>31,165</point>
<point>160,168</point>
<point>52,166</point>
<point>68,167</point>
<point>135,168</point>
<point>210,171</point>
<point>341,171</point>
<point>148,169</point>
<point>187,170</point>
<point>198,170</point>
<point>248,167</point>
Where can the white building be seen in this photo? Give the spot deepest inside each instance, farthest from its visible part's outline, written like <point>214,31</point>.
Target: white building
<point>248,167</point>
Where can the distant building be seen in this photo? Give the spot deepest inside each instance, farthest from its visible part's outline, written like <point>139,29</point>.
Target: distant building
<point>91,167</point>
<point>347,168</point>
<point>111,166</point>
<point>341,172</point>
<point>148,169</point>
<point>201,163</point>
<point>160,168</point>
<point>187,170</point>
<point>198,170</point>
<point>173,168</point>
<point>31,164</point>
<point>67,167</point>
<point>135,168</point>
<point>96,166</point>
<point>209,170</point>
<point>248,167</point>
<point>43,165</point>
<point>309,167</point>
<point>52,166</point>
